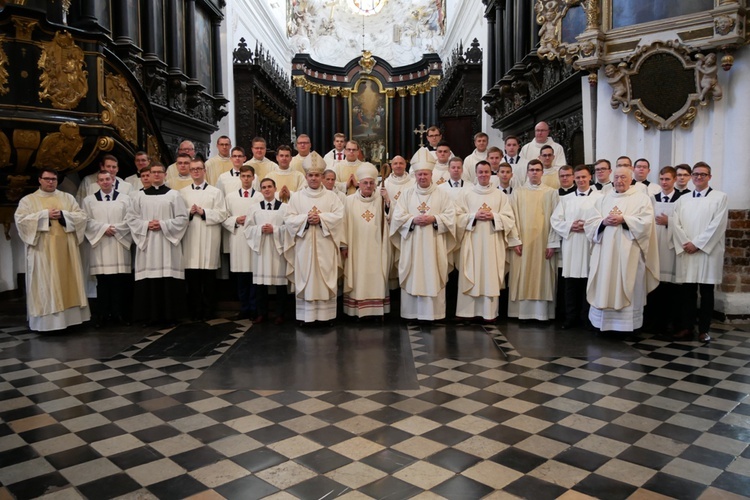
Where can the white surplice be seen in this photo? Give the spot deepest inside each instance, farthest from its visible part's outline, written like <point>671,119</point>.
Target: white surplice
<point>201,245</point>
<point>269,266</point>
<point>108,254</point>
<point>158,254</point>
<point>702,221</point>
<point>240,255</point>
<point>575,247</point>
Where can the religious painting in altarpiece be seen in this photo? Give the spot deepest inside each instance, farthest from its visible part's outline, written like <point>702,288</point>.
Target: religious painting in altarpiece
<point>368,120</point>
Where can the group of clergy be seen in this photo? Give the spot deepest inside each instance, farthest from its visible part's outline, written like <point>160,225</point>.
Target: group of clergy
<point>324,226</point>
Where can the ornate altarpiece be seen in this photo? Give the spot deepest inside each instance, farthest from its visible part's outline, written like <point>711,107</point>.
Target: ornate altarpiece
<point>329,100</point>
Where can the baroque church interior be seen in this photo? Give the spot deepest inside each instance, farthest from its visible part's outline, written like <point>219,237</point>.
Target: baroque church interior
<point>226,406</point>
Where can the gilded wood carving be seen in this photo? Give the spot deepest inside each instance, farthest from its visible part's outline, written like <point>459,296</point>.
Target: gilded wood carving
<point>58,150</point>
<point>25,142</point>
<point>120,107</point>
<point>63,80</point>
<point>4,89</point>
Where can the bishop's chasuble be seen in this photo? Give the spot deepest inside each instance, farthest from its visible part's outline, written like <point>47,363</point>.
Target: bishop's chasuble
<point>368,262</point>
<point>624,260</point>
<point>423,262</point>
<point>481,262</point>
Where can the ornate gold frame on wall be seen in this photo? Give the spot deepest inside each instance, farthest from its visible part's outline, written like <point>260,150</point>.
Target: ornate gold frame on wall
<point>696,39</point>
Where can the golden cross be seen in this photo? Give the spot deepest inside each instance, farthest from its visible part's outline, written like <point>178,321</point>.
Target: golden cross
<point>440,181</point>
<point>420,131</point>
<point>485,208</point>
<point>395,198</point>
<point>368,216</point>
<point>423,208</point>
<point>313,211</point>
<point>615,211</point>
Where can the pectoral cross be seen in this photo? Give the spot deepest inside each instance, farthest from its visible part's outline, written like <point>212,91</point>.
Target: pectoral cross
<point>420,132</point>
<point>313,211</point>
<point>485,208</point>
<point>440,181</point>
<point>368,216</point>
<point>615,211</point>
<point>423,208</point>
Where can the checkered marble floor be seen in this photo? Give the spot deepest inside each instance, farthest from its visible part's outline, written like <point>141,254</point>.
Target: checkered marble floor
<point>675,422</point>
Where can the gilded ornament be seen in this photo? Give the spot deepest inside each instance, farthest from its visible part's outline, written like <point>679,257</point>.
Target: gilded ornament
<point>299,81</point>
<point>4,89</point>
<point>25,142</point>
<point>152,148</point>
<point>24,27</point>
<point>16,186</point>
<point>120,107</point>
<point>641,118</point>
<point>549,15</point>
<point>346,93</point>
<point>58,150</point>
<point>367,62</point>
<point>63,81</point>
<point>687,119</point>
<point>5,150</point>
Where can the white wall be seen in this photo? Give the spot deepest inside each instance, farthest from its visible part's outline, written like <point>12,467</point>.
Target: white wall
<point>718,136</point>
<point>465,22</point>
<point>253,21</point>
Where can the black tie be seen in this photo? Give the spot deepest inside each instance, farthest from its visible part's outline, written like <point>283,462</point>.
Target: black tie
<point>510,160</point>
<point>107,196</point>
<point>268,205</point>
<point>666,199</point>
<point>581,194</point>
<point>697,195</point>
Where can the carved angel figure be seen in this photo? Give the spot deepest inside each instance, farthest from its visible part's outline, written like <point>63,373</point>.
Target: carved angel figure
<point>616,79</point>
<point>708,72</point>
<point>549,16</point>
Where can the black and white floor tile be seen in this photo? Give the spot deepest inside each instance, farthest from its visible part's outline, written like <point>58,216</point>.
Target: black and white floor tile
<point>647,418</point>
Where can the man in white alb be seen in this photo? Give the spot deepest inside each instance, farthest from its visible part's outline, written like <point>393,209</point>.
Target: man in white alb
<point>624,258</point>
<point>314,225</point>
<point>532,150</point>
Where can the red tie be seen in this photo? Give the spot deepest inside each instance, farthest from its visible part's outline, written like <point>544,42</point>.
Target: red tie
<point>339,156</point>
<point>245,194</point>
